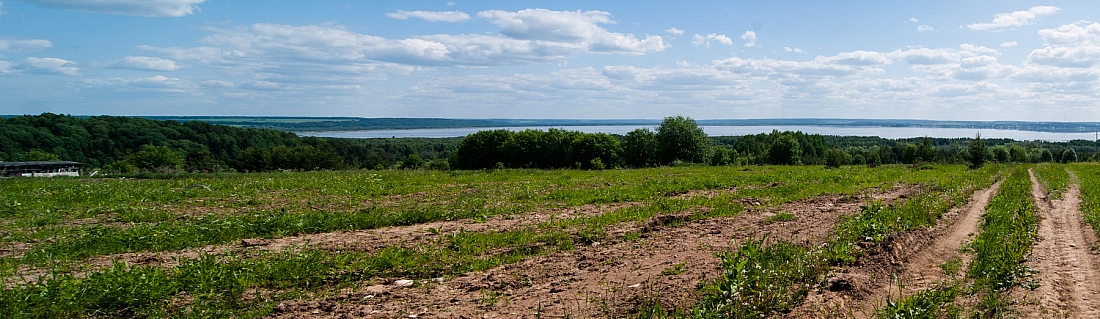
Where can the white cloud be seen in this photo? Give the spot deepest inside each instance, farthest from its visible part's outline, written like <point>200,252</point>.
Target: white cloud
<point>574,27</point>
<point>1072,34</point>
<point>2,12</point>
<point>795,50</point>
<point>7,67</point>
<point>926,56</point>
<point>1009,44</point>
<point>699,40</point>
<point>1047,74</point>
<point>750,38</point>
<point>675,32</point>
<point>145,8</point>
<point>913,20</point>
<point>432,16</point>
<point>51,65</point>
<point>1014,19</point>
<point>158,83</point>
<point>925,28</point>
<point>857,58</point>
<point>217,84</point>
<point>1070,46</point>
<point>145,63</point>
<point>23,45</point>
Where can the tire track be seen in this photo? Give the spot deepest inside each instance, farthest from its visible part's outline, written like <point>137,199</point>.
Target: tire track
<point>1068,275</point>
<point>913,259</point>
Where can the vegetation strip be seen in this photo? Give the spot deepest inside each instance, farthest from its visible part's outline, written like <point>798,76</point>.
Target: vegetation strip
<point>1008,230</point>
<point>761,278</point>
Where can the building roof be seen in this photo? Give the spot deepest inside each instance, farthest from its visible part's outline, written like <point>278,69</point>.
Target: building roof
<point>39,164</point>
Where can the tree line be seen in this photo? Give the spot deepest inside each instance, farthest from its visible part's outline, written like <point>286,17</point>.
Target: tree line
<point>134,144</point>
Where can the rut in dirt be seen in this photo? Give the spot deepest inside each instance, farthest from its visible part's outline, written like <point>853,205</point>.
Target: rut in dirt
<point>1068,275</point>
<point>912,261</point>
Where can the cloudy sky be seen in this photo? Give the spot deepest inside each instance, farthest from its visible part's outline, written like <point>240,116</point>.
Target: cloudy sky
<point>974,60</point>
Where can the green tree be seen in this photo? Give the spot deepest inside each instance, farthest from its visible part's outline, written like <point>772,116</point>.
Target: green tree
<point>414,161</point>
<point>1018,154</point>
<point>37,155</point>
<point>1001,154</point>
<point>640,148</point>
<point>152,157</point>
<point>835,158</point>
<point>1069,155</point>
<point>722,155</point>
<point>481,150</point>
<point>976,152</point>
<point>785,151</point>
<point>680,138</point>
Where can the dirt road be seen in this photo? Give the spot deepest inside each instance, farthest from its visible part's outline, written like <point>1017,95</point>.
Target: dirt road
<point>1068,275</point>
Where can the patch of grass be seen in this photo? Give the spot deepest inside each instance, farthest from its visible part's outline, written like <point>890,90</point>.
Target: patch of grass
<point>1054,178</point>
<point>779,217</point>
<point>937,302</point>
<point>676,269</point>
<point>1009,228</point>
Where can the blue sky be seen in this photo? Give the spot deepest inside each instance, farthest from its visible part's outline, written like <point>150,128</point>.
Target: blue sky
<point>966,60</point>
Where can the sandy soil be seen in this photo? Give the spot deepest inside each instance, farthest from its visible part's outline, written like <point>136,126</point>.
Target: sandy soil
<point>1067,270</point>
<point>667,265</point>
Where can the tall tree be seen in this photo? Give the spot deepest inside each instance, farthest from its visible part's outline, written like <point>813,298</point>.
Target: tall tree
<point>977,152</point>
<point>680,138</point>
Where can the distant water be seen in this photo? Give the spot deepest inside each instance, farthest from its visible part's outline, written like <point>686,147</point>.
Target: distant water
<point>885,132</point>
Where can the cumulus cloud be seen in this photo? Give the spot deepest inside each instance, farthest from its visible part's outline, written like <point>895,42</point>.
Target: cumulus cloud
<point>23,45</point>
<point>913,20</point>
<point>925,28</point>
<point>1071,46</point>
<point>51,65</point>
<point>528,36</point>
<point>575,27</point>
<point>7,67</point>
<point>145,63</point>
<point>432,16</point>
<point>1009,44</point>
<point>750,38</point>
<point>700,40</point>
<point>1014,19</point>
<point>675,32</point>
<point>795,50</point>
<point>144,8</point>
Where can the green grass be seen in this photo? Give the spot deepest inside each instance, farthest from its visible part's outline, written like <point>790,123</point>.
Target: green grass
<point>162,215</point>
<point>1088,177</point>
<point>760,279</point>
<point>1054,178</point>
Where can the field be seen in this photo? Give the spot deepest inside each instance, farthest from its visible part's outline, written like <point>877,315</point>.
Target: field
<point>893,241</point>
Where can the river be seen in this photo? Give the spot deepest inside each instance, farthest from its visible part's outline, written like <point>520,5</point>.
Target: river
<point>885,132</point>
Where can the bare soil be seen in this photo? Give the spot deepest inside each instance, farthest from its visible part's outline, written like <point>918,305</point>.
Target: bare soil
<point>899,266</point>
<point>1067,270</point>
<point>668,264</point>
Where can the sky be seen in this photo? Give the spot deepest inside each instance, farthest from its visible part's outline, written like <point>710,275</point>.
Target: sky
<point>939,60</point>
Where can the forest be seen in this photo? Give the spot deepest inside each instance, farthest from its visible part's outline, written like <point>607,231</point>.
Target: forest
<point>127,144</point>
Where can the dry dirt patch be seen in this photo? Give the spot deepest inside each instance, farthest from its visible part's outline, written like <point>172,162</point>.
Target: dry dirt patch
<point>667,265</point>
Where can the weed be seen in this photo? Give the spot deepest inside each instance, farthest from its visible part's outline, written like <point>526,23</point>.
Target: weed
<point>779,217</point>
<point>676,269</point>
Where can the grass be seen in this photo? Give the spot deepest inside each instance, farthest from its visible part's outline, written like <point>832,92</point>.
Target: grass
<point>760,279</point>
<point>64,221</point>
<point>1054,178</point>
<point>1088,177</point>
<point>1008,230</point>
